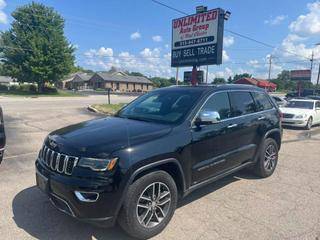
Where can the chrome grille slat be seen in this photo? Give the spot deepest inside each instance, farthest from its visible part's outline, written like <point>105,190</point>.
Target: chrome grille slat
<point>56,161</point>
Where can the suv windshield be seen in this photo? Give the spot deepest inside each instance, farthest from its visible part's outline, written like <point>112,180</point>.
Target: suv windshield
<point>300,104</point>
<point>170,106</point>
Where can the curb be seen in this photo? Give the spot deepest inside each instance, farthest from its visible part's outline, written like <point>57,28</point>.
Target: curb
<point>92,109</point>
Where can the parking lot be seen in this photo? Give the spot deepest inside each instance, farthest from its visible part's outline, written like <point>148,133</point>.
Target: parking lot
<point>284,206</point>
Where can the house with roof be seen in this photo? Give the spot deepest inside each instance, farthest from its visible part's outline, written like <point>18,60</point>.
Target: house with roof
<point>81,81</point>
<point>261,83</point>
<point>5,80</point>
<point>120,82</point>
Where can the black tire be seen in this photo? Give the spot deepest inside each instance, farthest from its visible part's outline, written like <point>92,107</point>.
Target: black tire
<point>309,124</point>
<point>128,216</point>
<point>262,168</point>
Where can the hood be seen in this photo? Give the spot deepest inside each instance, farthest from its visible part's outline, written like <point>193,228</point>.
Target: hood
<point>104,136</point>
<point>295,111</point>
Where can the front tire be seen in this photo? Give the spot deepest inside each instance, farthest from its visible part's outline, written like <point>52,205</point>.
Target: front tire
<point>309,124</point>
<point>149,205</point>
<point>268,158</point>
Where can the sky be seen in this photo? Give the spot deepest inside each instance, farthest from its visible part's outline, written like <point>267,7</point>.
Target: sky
<point>135,35</point>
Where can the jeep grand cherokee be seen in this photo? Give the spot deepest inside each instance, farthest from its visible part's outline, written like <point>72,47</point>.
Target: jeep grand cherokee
<point>134,166</point>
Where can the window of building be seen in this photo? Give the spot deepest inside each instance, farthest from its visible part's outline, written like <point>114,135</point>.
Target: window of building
<point>127,86</point>
<point>241,103</point>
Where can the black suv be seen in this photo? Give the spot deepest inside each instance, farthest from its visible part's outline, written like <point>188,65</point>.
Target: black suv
<point>134,166</point>
<point>2,136</point>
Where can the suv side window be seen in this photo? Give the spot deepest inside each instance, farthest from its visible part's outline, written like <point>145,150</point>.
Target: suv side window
<point>219,102</point>
<point>241,103</point>
<point>262,101</point>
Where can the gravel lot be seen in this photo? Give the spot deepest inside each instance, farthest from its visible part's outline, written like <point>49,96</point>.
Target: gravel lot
<point>284,206</point>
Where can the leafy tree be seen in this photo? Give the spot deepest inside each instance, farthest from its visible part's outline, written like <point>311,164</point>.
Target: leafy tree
<point>219,81</point>
<point>35,49</point>
<point>137,74</point>
<point>283,81</point>
<point>229,79</point>
<point>243,75</point>
<point>163,82</point>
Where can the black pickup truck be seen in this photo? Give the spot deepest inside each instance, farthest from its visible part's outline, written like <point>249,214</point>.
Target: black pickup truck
<point>2,135</point>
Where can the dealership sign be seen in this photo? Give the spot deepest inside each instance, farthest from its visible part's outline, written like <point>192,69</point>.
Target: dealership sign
<point>197,39</point>
<point>300,75</point>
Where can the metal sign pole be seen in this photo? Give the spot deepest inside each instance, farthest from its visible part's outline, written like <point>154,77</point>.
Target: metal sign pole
<point>194,76</point>
<point>177,75</point>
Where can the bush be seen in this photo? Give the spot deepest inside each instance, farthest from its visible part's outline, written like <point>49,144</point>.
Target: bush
<point>3,88</point>
<point>49,89</point>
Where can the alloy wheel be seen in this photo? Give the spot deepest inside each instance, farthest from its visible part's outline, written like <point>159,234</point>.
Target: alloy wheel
<point>270,157</point>
<point>153,204</point>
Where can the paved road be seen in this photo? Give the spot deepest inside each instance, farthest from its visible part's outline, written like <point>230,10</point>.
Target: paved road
<point>284,206</point>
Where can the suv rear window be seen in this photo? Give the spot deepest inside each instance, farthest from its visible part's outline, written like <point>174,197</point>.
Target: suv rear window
<point>262,101</point>
<point>241,103</point>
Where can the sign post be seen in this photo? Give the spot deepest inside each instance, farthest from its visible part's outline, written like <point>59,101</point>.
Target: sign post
<point>197,40</point>
<point>300,76</point>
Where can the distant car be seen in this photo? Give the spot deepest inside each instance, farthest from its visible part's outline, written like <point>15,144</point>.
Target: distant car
<point>314,97</point>
<point>301,113</point>
<point>279,101</point>
<point>2,136</point>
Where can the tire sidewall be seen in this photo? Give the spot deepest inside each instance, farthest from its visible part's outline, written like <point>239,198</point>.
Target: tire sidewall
<point>266,144</point>
<point>134,192</point>
<point>309,123</point>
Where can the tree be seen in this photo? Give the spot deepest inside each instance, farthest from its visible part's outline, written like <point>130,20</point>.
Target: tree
<point>35,49</point>
<point>283,81</point>
<point>219,81</point>
<point>243,75</point>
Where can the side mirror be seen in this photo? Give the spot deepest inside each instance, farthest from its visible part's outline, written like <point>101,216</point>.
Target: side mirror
<point>207,118</point>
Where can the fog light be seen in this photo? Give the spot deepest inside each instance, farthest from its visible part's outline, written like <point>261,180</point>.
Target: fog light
<point>87,196</point>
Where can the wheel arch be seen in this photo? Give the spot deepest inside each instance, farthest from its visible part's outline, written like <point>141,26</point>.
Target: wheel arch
<point>276,135</point>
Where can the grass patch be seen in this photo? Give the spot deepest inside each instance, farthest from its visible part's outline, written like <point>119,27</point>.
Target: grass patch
<point>109,109</point>
<point>59,93</point>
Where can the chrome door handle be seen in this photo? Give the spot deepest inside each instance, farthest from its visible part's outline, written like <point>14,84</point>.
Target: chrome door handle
<point>261,118</point>
<point>232,125</point>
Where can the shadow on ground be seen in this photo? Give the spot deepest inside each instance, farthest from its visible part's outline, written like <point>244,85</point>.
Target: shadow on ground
<point>34,214</point>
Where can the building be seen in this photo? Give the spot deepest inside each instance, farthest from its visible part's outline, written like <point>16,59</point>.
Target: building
<point>120,82</point>
<point>261,83</point>
<point>80,81</point>
<point>6,81</point>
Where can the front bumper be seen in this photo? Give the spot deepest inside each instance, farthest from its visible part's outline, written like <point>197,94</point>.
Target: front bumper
<point>61,192</point>
<point>294,122</point>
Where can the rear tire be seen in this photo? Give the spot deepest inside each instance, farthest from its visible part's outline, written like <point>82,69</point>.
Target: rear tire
<point>149,205</point>
<point>268,159</point>
<point>309,124</point>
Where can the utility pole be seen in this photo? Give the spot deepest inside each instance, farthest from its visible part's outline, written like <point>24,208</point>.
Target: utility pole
<point>270,62</point>
<point>318,76</point>
<point>207,74</point>
<point>311,60</point>
<point>177,76</point>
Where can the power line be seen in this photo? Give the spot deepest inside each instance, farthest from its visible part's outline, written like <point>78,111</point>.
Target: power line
<point>235,33</point>
<point>167,6</point>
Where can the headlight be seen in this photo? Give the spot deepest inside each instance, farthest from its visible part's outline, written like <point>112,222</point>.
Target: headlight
<point>301,116</point>
<point>97,164</point>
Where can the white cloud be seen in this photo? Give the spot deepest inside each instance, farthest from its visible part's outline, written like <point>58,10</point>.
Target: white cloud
<point>3,15</point>
<point>228,41</point>
<point>276,21</point>
<point>157,38</point>
<point>135,36</point>
<point>166,46</point>
<point>308,23</point>
<point>253,63</point>
<point>151,62</point>
<point>101,52</point>
<point>225,56</point>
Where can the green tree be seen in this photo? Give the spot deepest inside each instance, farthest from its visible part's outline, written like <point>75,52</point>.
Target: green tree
<point>242,75</point>
<point>35,49</point>
<point>219,81</point>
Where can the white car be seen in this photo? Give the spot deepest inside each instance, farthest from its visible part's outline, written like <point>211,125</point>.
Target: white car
<point>301,113</point>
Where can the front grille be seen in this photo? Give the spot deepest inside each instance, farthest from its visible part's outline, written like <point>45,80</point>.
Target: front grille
<point>57,162</point>
<point>288,115</point>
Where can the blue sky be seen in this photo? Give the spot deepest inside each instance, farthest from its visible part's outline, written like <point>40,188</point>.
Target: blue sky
<point>135,35</point>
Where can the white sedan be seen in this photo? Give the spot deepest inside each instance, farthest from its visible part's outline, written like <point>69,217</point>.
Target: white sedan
<point>301,113</point>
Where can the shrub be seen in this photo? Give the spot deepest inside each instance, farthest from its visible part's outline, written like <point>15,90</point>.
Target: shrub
<point>49,89</point>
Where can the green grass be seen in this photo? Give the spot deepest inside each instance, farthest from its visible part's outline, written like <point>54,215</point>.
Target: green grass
<point>109,109</point>
<point>60,93</point>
